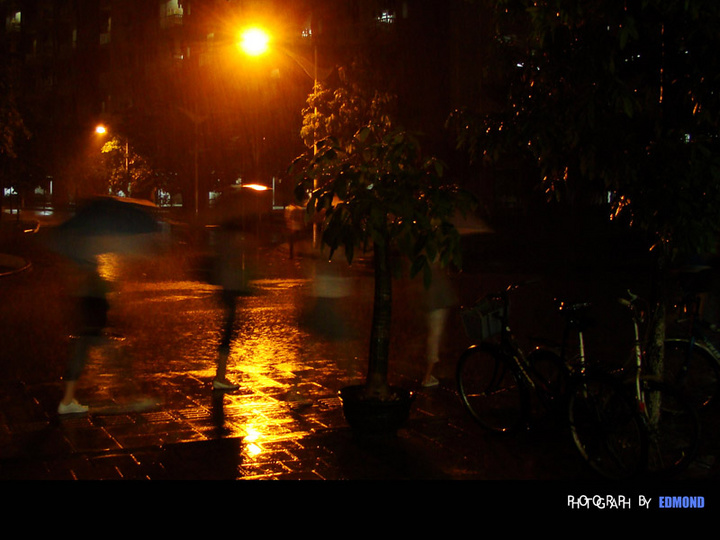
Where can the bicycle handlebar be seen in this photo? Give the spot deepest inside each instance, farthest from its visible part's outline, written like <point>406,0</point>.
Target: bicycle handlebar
<point>629,302</point>
<point>514,286</point>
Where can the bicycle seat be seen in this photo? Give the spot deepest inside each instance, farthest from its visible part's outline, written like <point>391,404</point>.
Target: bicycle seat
<point>576,313</point>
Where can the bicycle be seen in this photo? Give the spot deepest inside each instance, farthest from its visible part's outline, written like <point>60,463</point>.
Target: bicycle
<point>670,419</point>
<point>692,362</point>
<point>491,375</point>
<point>496,381</point>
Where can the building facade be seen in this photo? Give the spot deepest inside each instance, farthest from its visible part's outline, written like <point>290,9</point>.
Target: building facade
<point>166,77</point>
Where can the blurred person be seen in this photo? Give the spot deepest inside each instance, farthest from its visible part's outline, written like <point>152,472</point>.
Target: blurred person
<point>295,224</point>
<point>441,297</point>
<point>233,270</point>
<point>100,225</point>
<point>331,286</point>
<point>324,312</point>
<point>93,312</point>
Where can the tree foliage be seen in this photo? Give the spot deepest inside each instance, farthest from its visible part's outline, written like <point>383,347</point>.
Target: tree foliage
<point>612,97</point>
<point>12,125</point>
<point>125,171</point>
<point>378,188</point>
<point>340,111</point>
<point>13,132</point>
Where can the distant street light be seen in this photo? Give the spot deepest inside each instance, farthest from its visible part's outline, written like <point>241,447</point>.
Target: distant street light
<point>102,130</point>
<point>196,120</point>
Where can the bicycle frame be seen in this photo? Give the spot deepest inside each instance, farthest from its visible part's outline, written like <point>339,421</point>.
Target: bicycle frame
<point>574,367</point>
<point>573,321</point>
<point>638,352</point>
<point>543,372</point>
<point>639,355</point>
<point>509,345</point>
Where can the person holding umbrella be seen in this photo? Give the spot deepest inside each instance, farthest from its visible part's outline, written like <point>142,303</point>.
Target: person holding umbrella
<point>442,296</point>
<point>102,225</point>
<point>232,274</point>
<point>236,214</point>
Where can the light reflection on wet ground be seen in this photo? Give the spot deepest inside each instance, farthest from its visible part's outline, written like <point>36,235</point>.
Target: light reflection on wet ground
<point>170,330</point>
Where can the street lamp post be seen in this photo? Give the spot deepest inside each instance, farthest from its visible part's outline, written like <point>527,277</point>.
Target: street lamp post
<point>196,120</point>
<point>100,129</point>
<point>255,41</point>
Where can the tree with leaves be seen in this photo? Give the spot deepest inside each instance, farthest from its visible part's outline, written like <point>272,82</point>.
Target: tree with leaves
<point>126,172</point>
<point>339,112</point>
<point>613,97</point>
<point>12,130</point>
<point>376,192</point>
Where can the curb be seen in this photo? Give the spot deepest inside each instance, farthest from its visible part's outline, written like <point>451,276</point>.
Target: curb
<point>12,264</point>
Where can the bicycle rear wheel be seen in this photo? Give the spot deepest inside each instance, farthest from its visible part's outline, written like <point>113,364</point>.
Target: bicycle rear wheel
<point>490,389</point>
<point>606,427</point>
<point>673,428</point>
<point>694,369</point>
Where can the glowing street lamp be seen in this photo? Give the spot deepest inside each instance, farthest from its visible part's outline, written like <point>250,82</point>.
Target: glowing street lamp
<point>254,41</point>
<point>256,187</point>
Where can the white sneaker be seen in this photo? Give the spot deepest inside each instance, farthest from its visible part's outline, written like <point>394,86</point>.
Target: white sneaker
<point>72,408</point>
<point>224,384</point>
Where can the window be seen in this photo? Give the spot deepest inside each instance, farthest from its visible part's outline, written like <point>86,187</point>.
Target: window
<point>13,22</point>
<point>171,13</point>
<point>386,17</point>
<point>105,28</point>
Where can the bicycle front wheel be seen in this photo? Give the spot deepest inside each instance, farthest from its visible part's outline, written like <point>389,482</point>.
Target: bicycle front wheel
<point>673,427</point>
<point>490,390</point>
<point>694,369</point>
<point>607,428</point>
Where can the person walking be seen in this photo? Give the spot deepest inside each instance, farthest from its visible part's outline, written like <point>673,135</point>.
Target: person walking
<point>233,271</point>
<point>295,224</point>
<point>101,225</point>
<point>93,312</point>
<point>441,297</point>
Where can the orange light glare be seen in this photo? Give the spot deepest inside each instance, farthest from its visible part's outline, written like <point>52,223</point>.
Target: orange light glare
<point>101,130</point>
<point>256,187</point>
<point>254,41</point>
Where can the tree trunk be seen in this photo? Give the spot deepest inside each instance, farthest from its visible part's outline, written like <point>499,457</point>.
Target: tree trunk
<point>656,337</point>
<point>377,380</point>
<point>655,346</point>
<point>656,341</point>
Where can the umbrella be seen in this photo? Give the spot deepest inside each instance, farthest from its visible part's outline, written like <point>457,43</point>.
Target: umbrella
<point>240,202</point>
<point>108,225</point>
<point>113,216</point>
<point>469,223</point>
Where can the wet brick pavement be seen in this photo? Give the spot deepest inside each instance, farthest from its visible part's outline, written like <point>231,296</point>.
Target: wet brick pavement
<point>189,432</point>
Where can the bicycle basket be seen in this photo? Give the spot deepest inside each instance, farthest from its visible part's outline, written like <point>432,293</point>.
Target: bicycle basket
<point>483,320</point>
